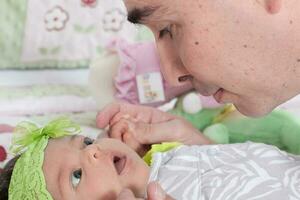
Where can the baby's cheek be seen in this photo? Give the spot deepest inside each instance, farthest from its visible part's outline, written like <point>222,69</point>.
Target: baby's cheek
<point>137,177</point>
<point>104,185</point>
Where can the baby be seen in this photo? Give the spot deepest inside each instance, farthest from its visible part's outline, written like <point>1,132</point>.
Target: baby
<point>55,162</point>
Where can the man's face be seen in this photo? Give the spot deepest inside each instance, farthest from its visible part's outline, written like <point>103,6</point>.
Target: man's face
<point>234,50</point>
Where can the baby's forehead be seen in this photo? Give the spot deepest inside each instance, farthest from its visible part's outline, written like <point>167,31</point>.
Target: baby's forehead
<point>62,140</point>
<point>59,153</point>
<point>61,145</point>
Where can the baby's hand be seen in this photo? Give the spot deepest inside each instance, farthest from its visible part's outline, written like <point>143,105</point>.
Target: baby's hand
<point>126,131</point>
<point>139,135</point>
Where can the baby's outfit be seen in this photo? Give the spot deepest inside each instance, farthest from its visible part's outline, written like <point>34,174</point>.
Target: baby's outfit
<point>245,171</point>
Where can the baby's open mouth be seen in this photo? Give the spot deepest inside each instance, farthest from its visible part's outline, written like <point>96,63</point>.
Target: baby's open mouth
<point>119,163</point>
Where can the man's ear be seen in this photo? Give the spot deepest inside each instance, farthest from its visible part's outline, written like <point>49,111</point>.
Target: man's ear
<point>271,6</point>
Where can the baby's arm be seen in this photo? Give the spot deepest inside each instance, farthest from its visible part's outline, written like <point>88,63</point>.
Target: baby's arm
<point>139,135</point>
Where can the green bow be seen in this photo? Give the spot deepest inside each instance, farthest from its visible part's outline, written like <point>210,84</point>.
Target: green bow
<point>27,133</point>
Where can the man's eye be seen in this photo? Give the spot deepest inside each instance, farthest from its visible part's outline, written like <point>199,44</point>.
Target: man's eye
<point>166,30</point>
<point>88,141</point>
<point>76,177</point>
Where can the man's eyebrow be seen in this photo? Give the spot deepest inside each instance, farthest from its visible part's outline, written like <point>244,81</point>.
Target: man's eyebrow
<point>140,15</point>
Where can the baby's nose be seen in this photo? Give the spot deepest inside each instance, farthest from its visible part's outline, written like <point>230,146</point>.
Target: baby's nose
<point>92,153</point>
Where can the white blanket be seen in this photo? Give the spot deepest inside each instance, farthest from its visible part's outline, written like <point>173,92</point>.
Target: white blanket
<point>227,172</point>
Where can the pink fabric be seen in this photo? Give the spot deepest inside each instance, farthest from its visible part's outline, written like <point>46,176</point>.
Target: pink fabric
<point>136,59</point>
<point>4,128</point>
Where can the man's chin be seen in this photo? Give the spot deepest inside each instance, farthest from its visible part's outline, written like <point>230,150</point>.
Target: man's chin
<point>254,110</point>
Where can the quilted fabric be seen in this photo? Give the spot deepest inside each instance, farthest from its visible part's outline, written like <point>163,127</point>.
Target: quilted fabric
<point>12,20</point>
<point>61,34</point>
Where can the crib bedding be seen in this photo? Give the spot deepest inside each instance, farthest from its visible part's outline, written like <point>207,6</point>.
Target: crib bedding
<point>81,29</point>
<point>34,105</point>
<point>42,77</point>
<point>61,34</point>
<point>38,92</point>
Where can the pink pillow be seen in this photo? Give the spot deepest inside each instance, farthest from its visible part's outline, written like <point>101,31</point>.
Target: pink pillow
<point>137,59</point>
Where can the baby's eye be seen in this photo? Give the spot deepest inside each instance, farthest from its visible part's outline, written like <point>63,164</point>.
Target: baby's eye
<point>88,141</point>
<point>76,177</point>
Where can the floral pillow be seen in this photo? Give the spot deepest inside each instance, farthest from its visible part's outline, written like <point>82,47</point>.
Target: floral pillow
<point>61,34</point>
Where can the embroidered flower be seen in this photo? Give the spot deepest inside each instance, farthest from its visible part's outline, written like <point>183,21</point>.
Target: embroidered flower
<point>56,19</point>
<point>90,3</point>
<point>113,20</point>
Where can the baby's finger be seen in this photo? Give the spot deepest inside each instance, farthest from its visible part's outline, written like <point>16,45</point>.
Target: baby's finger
<point>121,115</point>
<point>118,129</point>
<point>129,139</point>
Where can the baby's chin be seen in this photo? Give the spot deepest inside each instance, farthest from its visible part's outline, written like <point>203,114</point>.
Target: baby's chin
<point>138,189</point>
<point>141,191</point>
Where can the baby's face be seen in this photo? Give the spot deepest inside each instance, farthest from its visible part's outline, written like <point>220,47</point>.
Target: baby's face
<point>80,168</point>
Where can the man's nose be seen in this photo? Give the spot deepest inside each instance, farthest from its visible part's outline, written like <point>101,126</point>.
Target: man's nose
<point>172,66</point>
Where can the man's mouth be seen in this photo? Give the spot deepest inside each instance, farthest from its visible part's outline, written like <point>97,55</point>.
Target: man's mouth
<point>205,89</point>
<point>119,163</point>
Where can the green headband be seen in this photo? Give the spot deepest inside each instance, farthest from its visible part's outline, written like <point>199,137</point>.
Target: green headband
<point>28,181</point>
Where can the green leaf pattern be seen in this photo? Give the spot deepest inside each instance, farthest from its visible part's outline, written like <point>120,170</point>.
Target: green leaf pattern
<point>50,51</point>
